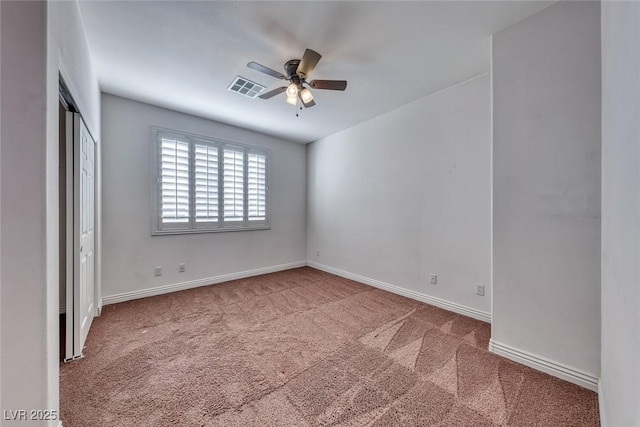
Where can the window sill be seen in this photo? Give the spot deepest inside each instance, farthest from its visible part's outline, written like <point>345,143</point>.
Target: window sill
<point>209,230</point>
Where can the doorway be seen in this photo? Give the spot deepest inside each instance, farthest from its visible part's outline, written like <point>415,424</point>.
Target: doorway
<point>76,227</point>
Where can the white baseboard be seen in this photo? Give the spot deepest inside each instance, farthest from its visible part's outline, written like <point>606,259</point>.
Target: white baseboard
<point>164,289</point>
<point>63,309</point>
<point>603,414</point>
<point>447,305</point>
<point>543,364</point>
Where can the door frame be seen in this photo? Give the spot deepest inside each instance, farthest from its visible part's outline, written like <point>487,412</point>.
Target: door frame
<point>66,90</point>
<point>67,84</point>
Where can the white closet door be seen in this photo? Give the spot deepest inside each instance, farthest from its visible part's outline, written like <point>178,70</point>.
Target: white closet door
<point>83,283</point>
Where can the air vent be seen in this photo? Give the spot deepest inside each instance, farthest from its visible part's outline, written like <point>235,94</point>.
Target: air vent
<point>245,87</point>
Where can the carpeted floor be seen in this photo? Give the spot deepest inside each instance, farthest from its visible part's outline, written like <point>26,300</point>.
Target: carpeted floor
<point>303,348</point>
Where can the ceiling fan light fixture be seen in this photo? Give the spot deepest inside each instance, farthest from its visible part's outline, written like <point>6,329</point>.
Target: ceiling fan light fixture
<point>292,90</point>
<point>292,99</point>
<point>297,71</point>
<point>306,95</point>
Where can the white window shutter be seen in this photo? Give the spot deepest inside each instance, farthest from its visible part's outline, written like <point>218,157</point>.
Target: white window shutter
<point>203,184</point>
<point>174,181</point>
<point>206,183</point>
<point>233,184</point>
<point>257,186</point>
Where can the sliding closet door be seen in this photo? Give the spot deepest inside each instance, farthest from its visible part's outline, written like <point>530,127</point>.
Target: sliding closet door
<point>81,296</point>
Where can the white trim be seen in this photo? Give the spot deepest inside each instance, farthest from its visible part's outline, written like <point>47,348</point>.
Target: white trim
<point>208,230</point>
<point>63,309</point>
<point>603,413</point>
<point>164,289</point>
<point>69,239</point>
<point>97,245</point>
<point>69,81</point>
<point>491,171</point>
<point>568,373</point>
<point>447,305</point>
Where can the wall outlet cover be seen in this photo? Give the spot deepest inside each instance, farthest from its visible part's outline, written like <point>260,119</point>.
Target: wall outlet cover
<point>158,271</point>
<point>480,290</point>
<point>433,279</point>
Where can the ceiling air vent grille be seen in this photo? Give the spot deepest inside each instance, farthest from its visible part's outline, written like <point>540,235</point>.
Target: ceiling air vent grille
<point>245,87</point>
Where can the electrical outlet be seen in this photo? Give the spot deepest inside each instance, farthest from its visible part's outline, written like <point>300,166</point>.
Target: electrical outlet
<point>317,253</point>
<point>480,290</point>
<point>182,267</point>
<point>158,271</point>
<point>434,279</point>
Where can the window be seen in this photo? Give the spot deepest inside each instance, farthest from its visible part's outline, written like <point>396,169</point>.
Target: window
<point>204,185</point>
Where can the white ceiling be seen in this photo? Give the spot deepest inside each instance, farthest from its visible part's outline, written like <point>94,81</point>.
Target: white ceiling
<point>183,55</point>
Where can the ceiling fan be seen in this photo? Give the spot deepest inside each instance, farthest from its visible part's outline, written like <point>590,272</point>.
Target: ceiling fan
<point>297,71</point>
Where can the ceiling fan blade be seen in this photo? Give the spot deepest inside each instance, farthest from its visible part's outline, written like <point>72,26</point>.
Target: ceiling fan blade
<point>328,84</point>
<point>308,62</point>
<point>266,70</point>
<point>306,104</point>
<point>273,93</point>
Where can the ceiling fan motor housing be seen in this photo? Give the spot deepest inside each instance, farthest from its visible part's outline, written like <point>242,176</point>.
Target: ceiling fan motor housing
<point>297,71</point>
<point>291,68</point>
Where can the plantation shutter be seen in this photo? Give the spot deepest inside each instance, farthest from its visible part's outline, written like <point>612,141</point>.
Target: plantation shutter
<point>206,183</point>
<point>233,184</point>
<point>257,186</point>
<point>174,182</point>
<point>203,184</point>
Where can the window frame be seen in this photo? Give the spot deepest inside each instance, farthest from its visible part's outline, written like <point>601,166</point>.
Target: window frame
<point>220,226</point>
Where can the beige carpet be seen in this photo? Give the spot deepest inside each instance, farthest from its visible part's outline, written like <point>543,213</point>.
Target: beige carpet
<point>303,348</point>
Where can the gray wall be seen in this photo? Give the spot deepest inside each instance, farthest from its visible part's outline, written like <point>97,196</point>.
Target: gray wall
<point>620,380</point>
<point>130,252</point>
<point>546,186</point>
<point>26,377</point>
<point>39,40</point>
<point>407,194</point>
